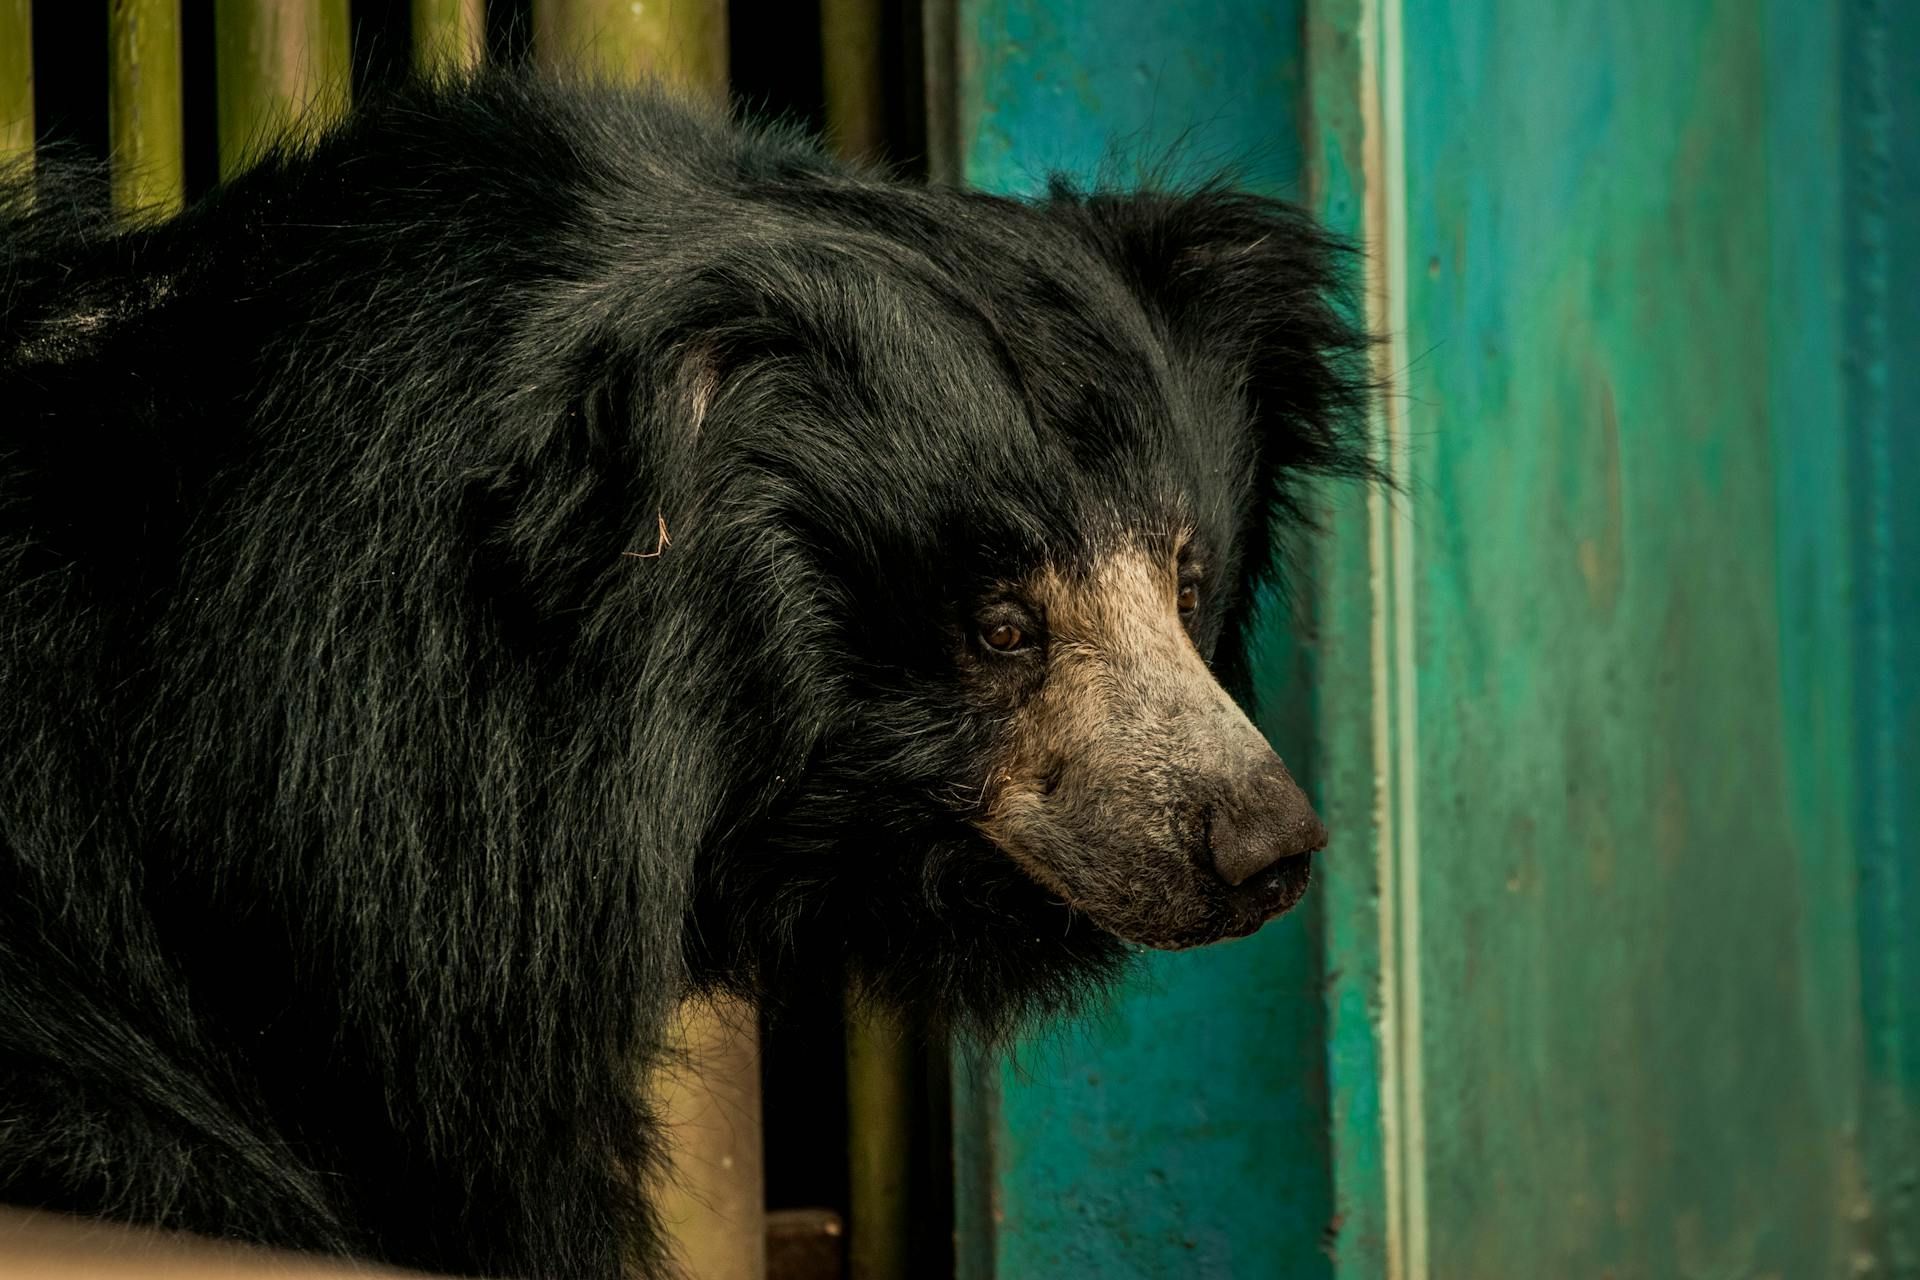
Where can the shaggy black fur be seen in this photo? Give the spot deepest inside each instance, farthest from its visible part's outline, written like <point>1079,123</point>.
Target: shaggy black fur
<point>373,787</point>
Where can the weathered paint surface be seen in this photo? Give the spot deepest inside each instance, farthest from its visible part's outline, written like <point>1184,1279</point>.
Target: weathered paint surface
<point>1106,87</point>
<point>1183,1133</point>
<point>1625,678</point>
<point>1880,311</point>
<point>1350,627</point>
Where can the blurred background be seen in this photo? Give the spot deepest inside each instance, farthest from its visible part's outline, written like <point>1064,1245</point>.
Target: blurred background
<point>1613,969</point>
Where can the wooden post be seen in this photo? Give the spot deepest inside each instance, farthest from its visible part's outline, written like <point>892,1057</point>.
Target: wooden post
<point>683,42</point>
<point>856,97</point>
<point>282,69</point>
<point>16,80</point>
<point>713,1201</point>
<point>880,1107</point>
<point>449,36</point>
<point>145,132</point>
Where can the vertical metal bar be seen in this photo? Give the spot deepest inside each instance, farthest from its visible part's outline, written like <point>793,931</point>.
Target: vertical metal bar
<point>283,69</point>
<point>856,103</point>
<point>449,36</point>
<point>879,1135</point>
<point>683,42</point>
<point>16,80</point>
<point>713,1201</point>
<point>144,115</point>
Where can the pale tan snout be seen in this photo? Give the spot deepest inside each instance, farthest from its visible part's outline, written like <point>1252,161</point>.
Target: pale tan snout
<point>1257,814</point>
<point>1134,786</point>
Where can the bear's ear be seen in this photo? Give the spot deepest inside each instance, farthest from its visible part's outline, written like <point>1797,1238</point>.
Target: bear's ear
<point>1256,288</point>
<point>1255,296</point>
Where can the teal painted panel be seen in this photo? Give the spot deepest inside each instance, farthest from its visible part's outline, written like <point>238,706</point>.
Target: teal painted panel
<point>1183,1132</point>
<point>1111,87</point>
<point>1352,887</point>
<point>1635,976</point>
<point>1881,150</point>
<point>1640,1033</point>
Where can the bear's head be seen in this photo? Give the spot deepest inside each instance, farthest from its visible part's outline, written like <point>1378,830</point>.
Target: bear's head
<point>1012,477</point>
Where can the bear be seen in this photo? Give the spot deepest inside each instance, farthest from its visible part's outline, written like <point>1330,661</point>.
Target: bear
<point>541,551</point>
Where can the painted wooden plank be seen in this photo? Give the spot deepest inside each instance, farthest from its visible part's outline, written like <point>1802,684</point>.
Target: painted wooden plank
<point>684,42</point>
<point>144,107</point>
<point>282,68</point>
<point>449,36</point>
<point>1105,1150</point>
<point>1352,625</point>
<point>1612,974</point>
<point>1881,150</point>
<point>16,80</point>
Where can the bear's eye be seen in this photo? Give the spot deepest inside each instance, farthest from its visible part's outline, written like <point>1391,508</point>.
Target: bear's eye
<point>1005,637</point>
<point>1188,599</point>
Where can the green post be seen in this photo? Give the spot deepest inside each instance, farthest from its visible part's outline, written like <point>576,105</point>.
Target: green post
<point>856,103</point>
<point>707,1095</point>
<point>879,1127</point>
<point>282,69</point>
<point>143,107</point>
<point>16,80</point>
<point>684,43</point>
<point>449,36</point>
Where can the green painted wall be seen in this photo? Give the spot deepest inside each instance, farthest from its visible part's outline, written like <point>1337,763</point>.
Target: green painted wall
<point>1622,684</point>
<point>1184,1133</point>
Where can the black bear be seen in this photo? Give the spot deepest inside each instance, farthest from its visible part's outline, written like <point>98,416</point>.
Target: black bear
<point>541,551</point>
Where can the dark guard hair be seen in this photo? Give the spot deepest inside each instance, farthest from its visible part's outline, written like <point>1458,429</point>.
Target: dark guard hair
<point>470,583</point>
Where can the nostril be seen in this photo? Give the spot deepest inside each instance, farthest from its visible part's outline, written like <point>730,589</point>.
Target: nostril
<point>1242,847</point>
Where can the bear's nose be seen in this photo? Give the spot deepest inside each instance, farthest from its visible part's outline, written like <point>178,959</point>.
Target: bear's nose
<point>1268,819</point>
